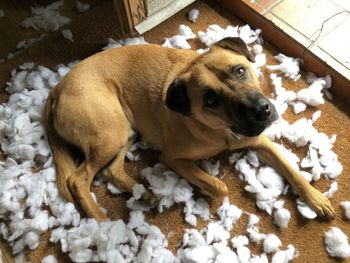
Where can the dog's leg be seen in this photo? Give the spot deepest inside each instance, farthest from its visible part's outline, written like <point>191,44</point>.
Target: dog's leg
<point>79,185</point>
<point>79,182</point>
<point>208,185</point>
<point>269,153</point>
<point>116,174</point>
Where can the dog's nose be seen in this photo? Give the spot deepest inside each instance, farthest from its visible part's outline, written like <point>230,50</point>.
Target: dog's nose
<point>262,109</point>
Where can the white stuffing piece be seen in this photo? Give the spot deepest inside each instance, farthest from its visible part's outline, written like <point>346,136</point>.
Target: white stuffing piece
<point>113,189</point>
<point>23,45</point>
<point>346,206</point>
<point>2,13</point>
<point>124,42</point>
<point>253,220</point>
<point>180,40</point>
<point>305,210</point>
<point>49,259</point>
<point>132,154</point>
<point>288,66</point>
<point>138,190</point>
<point>332,190</point>
<point>82,7</point>
<point>46,18</point>
<point>282,217</point>
<point>193,15</point>
<point>67,34</point>
<point>284,256</point>
<point>337,244</point>
<point>229,214</point>
<point>254,234</point>
<point>170,189</point>
<point>271,243</point>
<point>240,241</point>
<point>211,167</point>
<point>215,33</point>
<point>313,95</point>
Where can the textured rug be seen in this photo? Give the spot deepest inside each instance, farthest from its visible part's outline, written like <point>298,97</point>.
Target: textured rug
<point>91,31</point>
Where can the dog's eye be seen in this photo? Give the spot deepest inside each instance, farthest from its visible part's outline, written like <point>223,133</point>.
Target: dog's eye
<point>211,99</point>
<point>240,72</point>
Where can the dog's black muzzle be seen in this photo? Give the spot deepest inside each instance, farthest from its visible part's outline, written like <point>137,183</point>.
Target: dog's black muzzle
<point>253,116</point>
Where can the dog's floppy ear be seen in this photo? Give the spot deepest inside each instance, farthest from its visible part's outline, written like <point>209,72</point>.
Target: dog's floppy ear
<point>236,44</point>
<point>176,97</point>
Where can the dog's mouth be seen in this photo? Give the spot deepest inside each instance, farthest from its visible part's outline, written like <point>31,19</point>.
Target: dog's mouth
<point>253,124</point>
<point>250,130</point>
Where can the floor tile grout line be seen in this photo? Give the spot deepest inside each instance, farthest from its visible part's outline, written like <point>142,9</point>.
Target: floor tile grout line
<point>276,27</point>
<point>319,38</point>
<point>269,8</point>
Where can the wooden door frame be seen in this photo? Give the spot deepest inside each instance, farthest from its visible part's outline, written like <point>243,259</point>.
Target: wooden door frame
<point>129,14</point>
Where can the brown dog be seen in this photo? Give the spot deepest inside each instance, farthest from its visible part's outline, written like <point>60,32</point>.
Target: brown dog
<point>187,105</point>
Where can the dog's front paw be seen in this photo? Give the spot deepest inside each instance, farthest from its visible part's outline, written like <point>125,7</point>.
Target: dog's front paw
<point>215,189</point>
<point>319,203</point>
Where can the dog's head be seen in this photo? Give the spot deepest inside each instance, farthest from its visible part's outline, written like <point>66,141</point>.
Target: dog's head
<point>221,90</point>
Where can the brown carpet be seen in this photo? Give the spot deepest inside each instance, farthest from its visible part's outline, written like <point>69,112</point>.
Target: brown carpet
<point>90,33</point>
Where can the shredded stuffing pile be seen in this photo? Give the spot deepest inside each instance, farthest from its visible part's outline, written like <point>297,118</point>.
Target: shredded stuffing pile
<point>46,18</point>
<point>24,192</point>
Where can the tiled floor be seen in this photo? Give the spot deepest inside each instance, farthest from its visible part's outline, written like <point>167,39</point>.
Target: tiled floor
<point>320,27</point>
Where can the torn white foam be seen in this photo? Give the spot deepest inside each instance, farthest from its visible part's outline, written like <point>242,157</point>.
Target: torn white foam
<point>271,243</point>
<point>211,167</point>
<point>138,190</point>
<point>46,18</point>
<point>113,189</point>
<point>49,259</point>
<point>67,34</point>
<point>239,241</point>
<point>285,255</point>
<point>332,190</point>
<point>82,7</point>
<point>180,40</point>
<point>124,42</point>
<point>243,254</point>
<point>313,95</point>
<point>254,234</point>
<point>288,66</point>
<point>257,49</point>
<point>282,217</point>
<point>298,106</point>
<point>253,220</point>
<point>305,210</point>
<point>170,189</point>
<point>193,15</point>
<point>215,33</point>
<point>337,244</point>
<point>229,214</point>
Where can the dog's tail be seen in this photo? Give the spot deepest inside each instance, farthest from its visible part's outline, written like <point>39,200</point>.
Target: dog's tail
<point>64,161</point>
